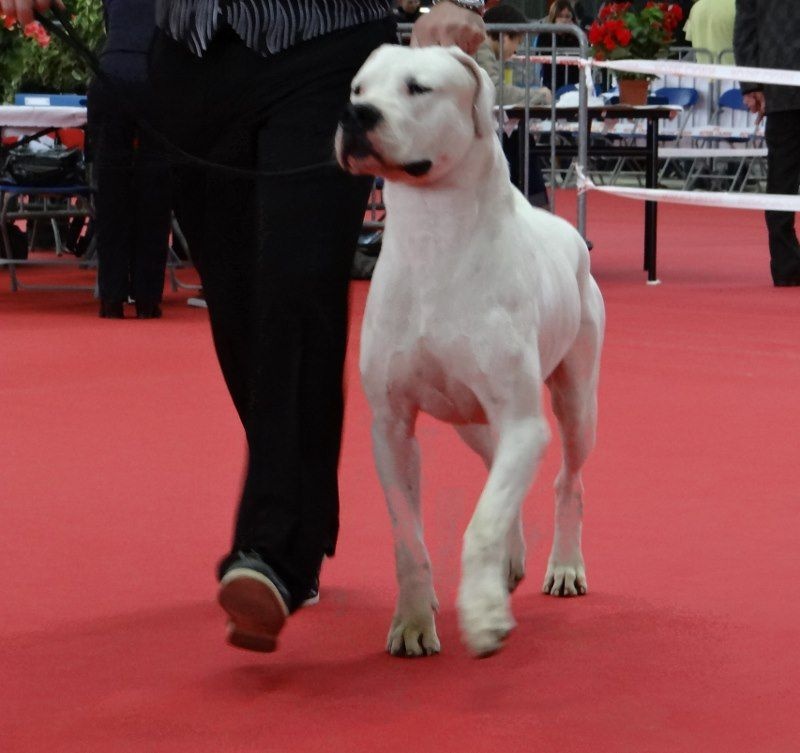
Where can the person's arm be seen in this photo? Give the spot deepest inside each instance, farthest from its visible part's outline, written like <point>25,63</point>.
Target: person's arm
<point>745,40</point>
<point>512,95</point>
<point>449,24</point>
<point>22,10</point>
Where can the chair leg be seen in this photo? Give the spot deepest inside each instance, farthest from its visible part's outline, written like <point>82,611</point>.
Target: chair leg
<point>12,270</point>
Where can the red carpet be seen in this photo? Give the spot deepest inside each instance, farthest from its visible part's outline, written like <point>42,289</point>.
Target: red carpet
<point>122,458</point>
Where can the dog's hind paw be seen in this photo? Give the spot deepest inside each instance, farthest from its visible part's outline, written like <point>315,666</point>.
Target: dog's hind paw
<point>565,580</point>
<point>413,637</point>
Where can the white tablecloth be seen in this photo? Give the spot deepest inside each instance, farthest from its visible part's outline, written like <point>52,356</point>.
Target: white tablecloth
<point>25,116</point>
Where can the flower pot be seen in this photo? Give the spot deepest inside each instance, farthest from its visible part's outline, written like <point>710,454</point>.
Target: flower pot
<point>633,91</point>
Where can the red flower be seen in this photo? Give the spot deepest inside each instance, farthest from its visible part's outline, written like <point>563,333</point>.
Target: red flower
<point>676,11</point>
<point>609,43</point>
<point>36,31</point>
<point>595,33</point>
<point>624,36</point>
<point>8,22</point>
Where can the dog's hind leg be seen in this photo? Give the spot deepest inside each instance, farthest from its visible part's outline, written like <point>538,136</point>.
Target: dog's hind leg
<point>479,438</point>
<point>522,431</point>
<point>573,387</point>
<point>413,628</point>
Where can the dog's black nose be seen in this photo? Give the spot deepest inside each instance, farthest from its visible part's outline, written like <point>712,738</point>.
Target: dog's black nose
<point>360,117</point>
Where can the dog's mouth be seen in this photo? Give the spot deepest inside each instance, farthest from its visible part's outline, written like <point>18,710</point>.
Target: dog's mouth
<point>358,155</point>
<point>373,162</point>
<point>419,168</point>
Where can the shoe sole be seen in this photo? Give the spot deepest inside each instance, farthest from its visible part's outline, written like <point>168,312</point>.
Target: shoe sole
<point>256,610</point>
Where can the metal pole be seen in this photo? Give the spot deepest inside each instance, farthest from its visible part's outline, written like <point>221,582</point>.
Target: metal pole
<point>526,121</point>
<point>583,128</point>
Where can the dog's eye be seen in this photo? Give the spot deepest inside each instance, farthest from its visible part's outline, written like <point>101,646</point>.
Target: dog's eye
<point>415,88</point>
<point>356,91</point>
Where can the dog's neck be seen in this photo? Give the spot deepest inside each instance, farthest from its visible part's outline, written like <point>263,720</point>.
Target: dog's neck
<point>481,181</point>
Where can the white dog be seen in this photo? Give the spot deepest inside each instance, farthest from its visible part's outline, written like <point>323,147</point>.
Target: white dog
<point>477,301</point>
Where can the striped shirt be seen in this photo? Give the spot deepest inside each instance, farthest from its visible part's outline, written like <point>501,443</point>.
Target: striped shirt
<point>266,26</point>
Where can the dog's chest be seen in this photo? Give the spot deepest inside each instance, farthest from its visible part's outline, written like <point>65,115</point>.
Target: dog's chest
<point>438,378</point>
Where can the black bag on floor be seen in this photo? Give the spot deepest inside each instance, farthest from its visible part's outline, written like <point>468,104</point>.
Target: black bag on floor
<point>58,166</point>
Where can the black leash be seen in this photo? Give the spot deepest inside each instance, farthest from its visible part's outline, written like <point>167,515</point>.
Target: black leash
<point>62,28</point>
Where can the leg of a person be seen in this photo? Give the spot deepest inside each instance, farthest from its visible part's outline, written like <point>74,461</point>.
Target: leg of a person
<point>152,186</point>
<point>289,288</point>
<point>201,113</point>
<point>783,177</point>
<point>114,199</point>
<point>309,225</point>
<point>537,190</point>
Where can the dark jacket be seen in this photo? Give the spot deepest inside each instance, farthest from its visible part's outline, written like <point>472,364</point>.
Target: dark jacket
<point>130,25</point>
<point>767,35</point>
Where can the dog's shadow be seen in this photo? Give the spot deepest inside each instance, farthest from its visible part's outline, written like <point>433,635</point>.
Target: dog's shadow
<point>564,645</point>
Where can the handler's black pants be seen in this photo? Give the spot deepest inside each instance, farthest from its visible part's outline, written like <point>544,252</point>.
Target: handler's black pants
<point>274,256</point>
<point>783,177</point>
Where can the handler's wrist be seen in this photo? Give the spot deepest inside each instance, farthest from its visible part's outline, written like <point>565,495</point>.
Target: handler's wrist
<point>474,5</point>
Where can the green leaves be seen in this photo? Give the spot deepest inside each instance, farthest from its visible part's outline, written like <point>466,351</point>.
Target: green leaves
<point>26,66</point>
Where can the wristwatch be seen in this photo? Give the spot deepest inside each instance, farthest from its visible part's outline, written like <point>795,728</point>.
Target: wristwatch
<point>473,5</point>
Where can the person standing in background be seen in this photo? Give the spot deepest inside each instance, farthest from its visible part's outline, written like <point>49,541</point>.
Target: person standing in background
<point>133,200</point>
<point>767,35</point>
<point>496,50</point>
<point>407,11</point>
<point>561,12</point>
<point>710,27</point>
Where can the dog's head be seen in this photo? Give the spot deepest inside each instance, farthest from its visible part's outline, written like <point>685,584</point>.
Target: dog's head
<point>414,113</point>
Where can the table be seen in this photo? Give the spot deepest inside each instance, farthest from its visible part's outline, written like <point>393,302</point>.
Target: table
<point>652,114</point>
<point>29,117</point>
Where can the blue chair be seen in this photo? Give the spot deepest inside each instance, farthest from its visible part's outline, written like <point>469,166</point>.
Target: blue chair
<point>682,96</point>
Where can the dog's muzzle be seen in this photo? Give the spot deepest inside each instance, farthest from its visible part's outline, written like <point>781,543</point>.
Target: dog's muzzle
<point>356,122</point>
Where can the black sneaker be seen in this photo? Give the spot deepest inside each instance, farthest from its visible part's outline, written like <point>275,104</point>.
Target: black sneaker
<point>312,597</point>
<point>256,601</point>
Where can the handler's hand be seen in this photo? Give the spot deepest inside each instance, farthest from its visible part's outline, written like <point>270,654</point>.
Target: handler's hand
<point>449,24</point>
<point>755,103</point>
<point>23,10</point>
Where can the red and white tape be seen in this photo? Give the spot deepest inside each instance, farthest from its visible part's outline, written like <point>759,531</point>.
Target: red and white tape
<point>682,68</point>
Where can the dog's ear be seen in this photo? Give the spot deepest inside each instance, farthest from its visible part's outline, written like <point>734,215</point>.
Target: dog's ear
<point>483,101</point>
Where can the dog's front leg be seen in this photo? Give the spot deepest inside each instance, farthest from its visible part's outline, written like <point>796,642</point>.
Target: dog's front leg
<point>479,438</point>
<point>483,601</point>
<point>413,629</point>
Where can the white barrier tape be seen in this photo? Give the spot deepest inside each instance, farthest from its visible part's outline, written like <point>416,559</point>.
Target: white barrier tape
<point>560,59</point>
<point>762,202</point>
<point>703,70</point>
<point>681,68</point>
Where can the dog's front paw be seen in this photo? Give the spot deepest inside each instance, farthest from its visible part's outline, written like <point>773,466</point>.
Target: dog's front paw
<point>413,635</point>
<point>568,579</point>
<point>485,617</point>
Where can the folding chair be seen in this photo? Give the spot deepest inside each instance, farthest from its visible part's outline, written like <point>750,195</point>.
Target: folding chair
<point>732,126</point>
<point>681,96</point>
<point>36,203</point>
